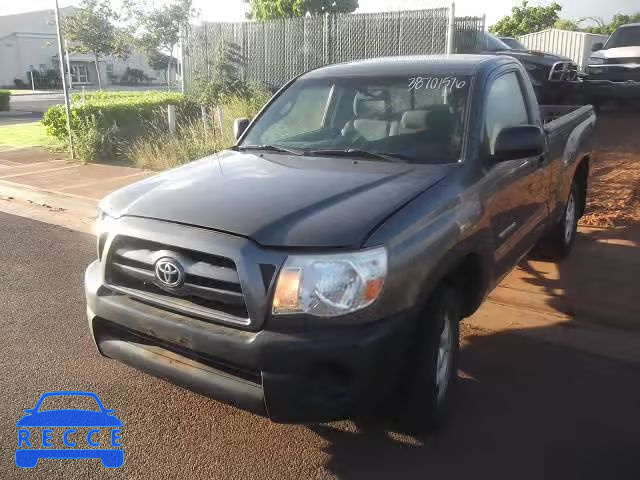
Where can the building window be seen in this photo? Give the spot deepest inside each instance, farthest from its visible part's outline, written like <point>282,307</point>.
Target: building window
<point>79,73</point>
<point>110,68</point>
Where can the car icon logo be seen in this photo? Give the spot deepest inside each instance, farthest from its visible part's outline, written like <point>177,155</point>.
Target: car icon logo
<point>69,433</point>
<point>169,272</point>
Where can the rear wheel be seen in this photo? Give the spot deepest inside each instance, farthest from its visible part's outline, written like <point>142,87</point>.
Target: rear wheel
<point>561,238</point>
<point>433,364</point>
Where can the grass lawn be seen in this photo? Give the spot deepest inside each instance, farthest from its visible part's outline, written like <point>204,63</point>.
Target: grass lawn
<point>23,135</point>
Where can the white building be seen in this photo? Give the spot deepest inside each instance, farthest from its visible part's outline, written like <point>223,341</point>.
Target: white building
<point>28,42</point>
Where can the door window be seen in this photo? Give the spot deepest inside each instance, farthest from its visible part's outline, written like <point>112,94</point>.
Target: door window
<point>505,107</point>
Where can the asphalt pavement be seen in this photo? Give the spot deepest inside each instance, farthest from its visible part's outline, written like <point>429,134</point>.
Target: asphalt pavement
<point>38,102</point>
<point>524,408</point>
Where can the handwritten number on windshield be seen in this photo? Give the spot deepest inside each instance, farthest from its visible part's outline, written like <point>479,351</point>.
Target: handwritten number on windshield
<point>435,83</point>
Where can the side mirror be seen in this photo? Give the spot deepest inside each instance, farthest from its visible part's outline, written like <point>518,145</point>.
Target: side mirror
<point>597,46</point>
<point>239,126</point>
<point>523,141</point>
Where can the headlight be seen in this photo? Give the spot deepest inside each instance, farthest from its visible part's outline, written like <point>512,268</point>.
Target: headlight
<point>330,285</point>
<point>102,221</point>
<point>596,61</point>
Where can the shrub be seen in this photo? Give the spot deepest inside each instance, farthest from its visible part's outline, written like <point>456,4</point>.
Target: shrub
<point>118,118</point>
<point>133,76</point>
<point>161,150</point>
<point>5,96</point>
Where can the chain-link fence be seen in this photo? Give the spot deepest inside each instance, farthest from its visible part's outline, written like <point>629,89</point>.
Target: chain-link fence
<point>275,51</point>
<point>466,36</point>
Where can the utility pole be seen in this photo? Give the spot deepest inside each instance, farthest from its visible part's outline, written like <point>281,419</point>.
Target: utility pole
<point>64,82</point>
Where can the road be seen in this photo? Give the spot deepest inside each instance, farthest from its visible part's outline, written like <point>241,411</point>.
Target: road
<point>39,102</point>
<point>524,409</point>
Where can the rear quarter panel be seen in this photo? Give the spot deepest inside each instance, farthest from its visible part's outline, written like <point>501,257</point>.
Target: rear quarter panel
<point>570,142</point>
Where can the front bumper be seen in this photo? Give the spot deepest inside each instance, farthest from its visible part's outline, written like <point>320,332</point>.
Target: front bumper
<point>306,375</point>
<point>610,89</point>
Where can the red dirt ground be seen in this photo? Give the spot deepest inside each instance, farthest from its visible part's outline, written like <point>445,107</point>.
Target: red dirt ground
<point>614,184</point>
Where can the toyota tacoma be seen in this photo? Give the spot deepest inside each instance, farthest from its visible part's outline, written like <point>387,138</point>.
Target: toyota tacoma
<point>319,269</point>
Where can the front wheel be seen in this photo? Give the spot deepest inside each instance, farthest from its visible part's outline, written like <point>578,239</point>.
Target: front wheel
<point>433,364</point>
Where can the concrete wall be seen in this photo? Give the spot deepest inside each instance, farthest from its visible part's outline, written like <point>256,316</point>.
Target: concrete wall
<point>575,45</point>
<point>21,52</point>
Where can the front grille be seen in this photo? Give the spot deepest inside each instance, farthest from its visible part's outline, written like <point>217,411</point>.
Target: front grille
<point>211,287</point>
<point>563,71</point>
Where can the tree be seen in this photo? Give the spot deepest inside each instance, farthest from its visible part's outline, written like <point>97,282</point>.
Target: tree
<point>617,21</point>
<point>564,24</point>
<point>526,19</point>
<point>159,29</point>
<point>160,62</point>
<point>271,9</point>
<point>91,30</point>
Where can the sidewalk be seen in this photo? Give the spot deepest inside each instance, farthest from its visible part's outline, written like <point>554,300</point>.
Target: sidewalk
<point>35,177</point>
<point>588,302</point>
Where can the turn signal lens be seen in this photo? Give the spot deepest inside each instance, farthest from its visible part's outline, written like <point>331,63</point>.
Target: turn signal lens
<point>287,294</point>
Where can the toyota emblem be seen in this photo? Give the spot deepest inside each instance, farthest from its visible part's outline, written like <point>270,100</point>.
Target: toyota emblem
<point>169,272</point>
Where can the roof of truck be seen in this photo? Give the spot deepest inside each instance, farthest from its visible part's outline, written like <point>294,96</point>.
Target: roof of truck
<point>410,65</point>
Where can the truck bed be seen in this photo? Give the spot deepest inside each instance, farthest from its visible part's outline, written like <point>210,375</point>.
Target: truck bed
<point>555,115</point>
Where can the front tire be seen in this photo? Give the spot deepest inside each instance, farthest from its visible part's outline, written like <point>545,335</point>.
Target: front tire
<point>433,366</point>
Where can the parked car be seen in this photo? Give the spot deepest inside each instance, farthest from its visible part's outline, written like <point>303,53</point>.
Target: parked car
<point>613,71</point>
<point>318,269</point>
<point>554,77</point>
<point>514,43</point>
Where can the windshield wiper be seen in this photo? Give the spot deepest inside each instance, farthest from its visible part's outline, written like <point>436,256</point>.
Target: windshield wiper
<point>271,148</point>
<point>356,152</point>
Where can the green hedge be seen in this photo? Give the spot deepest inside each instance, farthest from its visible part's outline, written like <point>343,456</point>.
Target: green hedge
<point>117,118</point>
<point>5,95</point>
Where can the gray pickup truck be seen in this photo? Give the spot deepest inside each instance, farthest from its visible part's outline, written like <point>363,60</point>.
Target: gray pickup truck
<point>318,269</point>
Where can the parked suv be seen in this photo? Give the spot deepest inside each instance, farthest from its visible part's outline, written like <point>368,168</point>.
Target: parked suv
<point>318,269</point>
<point>613,70</point>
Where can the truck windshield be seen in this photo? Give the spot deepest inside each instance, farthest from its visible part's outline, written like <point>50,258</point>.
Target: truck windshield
<point>624,37</point>
<point>415,118</point>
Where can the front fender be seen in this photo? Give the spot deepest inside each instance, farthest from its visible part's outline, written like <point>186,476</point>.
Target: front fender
<point>426,240</point>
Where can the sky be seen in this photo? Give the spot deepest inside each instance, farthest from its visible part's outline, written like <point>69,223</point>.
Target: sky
<point>233,10</point>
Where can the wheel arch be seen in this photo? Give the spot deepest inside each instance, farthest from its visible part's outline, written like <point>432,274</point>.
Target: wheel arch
<point>581,177</point>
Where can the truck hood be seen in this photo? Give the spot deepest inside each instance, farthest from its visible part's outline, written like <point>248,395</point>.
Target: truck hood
<point>620,52</point>
<point>278,199</point>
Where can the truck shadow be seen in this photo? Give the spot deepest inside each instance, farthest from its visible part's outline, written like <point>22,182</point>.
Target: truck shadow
<point>596,284</point>
<point>523,409</point>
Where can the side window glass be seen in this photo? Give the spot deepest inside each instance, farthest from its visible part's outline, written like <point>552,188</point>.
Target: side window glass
<point>505,107</point>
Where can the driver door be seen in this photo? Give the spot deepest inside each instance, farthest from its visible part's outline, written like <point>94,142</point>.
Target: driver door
<point>517,206</point>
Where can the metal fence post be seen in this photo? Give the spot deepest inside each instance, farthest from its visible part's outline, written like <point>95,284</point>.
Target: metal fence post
<point>451,26</point>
